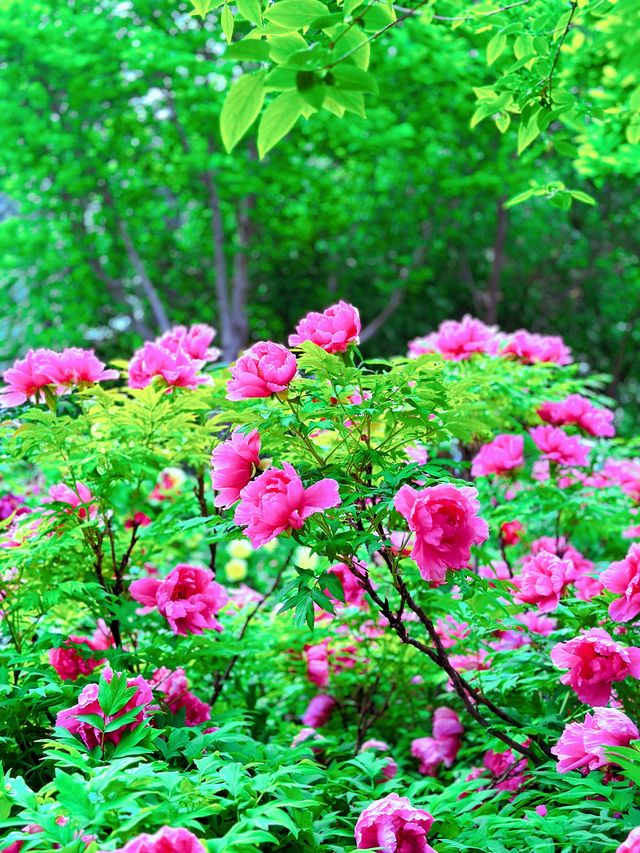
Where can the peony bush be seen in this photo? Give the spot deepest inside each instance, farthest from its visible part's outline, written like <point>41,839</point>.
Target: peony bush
<point>308,601</point>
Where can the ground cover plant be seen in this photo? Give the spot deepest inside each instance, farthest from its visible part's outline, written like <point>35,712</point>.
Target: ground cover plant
<point>306,601</point>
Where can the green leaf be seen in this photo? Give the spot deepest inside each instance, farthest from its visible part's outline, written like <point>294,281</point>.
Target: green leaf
<point>278,119</point>
<point>203,7</point>
<point>226,21</point>
<point>496,47</point>
<point>295,14</point>
<point>241,108</point>
<point>583,197</point>
<point>250,50</point>
<point>528,131</point>
<point>251,10</point>
<point>354,79</point>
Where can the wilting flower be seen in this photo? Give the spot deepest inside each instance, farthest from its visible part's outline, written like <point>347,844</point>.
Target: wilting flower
<point>70,663</point>
<point>582,745</point>
<point>264,369</point>
<point>188,598</point>
<point>391,768</point>
<point>277,501</point>
<point>595,660</point>
<point>531,348</point>
<point>580,411</point>
<point>333,330</point>
<point>542,581</point>
<point>445,523</point>
<point>623,578</point>
<point>176,369</point>
<point>177,696</point>
<point>558,447</point>
<point>88,704</point>
<point>500,456</point>
<point>166,840</point>
<point>319,711</point>
<point>392,825</point>
<point>192,340</point>
<point>233,464</point>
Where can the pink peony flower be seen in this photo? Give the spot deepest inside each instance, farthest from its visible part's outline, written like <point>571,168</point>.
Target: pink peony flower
<point>188,598</point>
<point>531,348</point>
<point>89,734</point>
<point>623,578</point>
<point>233,464</point>
<point>317,663</point>
<point>75,366</point>
<point>451,632</point>
<point>354,594</point>
<point>582,745</point>
<point>443,747</point>
<point>264,369</point>
<point>68,661</point>
<point>556,446</point>
<point>579,410</point>
<point>535,623</point>
<point>138,519</point>
<point>333,330</point>
<point>595,660</point>
<point>170,481</point>
<point>445,522</point>
<point>177,696</point>
<point>277,501</point>
<point>510,532</point>
<point>391,768</point>
<point>632,842</point>
<point>319,711</point>
<point>457,341</point>
<point>542,581</point>
<point>176,369</point>
<point>27,378</point>
<point>500,456</point>
<point>586,585</point>
<point>508,770</point>
<point>79,499</point>
<point>166,840</point>
<point>446,724</point>
<point>392,825</point>
<point>624,473</point>
<point>193,340</point>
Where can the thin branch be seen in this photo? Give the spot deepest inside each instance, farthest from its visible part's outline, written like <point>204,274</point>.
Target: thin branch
<point>221,680</point>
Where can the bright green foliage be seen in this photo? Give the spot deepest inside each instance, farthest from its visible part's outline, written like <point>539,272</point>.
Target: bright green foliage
<point>245,786</point>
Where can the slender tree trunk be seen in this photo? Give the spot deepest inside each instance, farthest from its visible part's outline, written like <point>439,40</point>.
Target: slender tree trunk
<point>494,291</point>
<point>148,288</point>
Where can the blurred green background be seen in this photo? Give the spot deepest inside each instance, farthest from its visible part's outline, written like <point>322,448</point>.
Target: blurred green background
<point>121,213</point>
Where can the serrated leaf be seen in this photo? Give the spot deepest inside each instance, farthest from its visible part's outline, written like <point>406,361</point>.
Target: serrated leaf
<point>241,108</point>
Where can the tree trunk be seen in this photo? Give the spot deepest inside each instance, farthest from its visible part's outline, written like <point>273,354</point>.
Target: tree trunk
<point>494,291</point>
